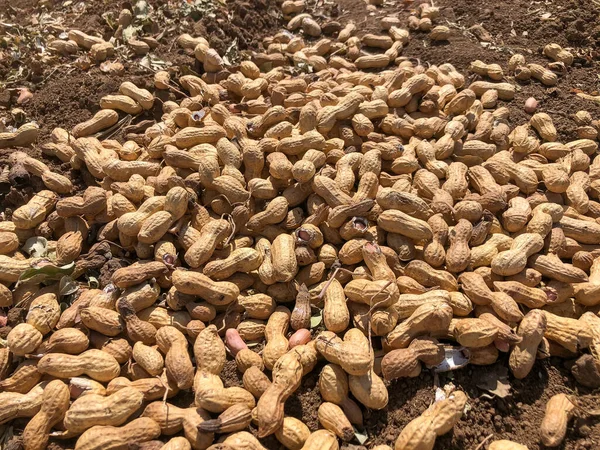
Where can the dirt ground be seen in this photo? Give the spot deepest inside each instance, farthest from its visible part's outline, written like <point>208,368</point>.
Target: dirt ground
<point>64,94</point>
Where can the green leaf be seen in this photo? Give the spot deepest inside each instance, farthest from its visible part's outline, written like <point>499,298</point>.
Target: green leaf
<point>45,272</point>
<point>130,32</point>
<point>36,247</point>
<point>361,435</point>
<point>316,320</point>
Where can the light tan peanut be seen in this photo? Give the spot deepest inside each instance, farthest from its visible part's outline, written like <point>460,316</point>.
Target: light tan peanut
<point>434,252</point>
<point>335,312</point>
<point>235,418</point>
<point>293,433</point>
<point>333,386</point>
<point>172,419</point>
<point>212,396</point>
<point>493,71</point>
<point>148,358</point>
<point>242,439</point>
<point>321,439</point>
<point>521,293</point>
<point>284,258</point>
<point>476,289</point>
<point>572,334</point>
<point>516,217</point>
<point>142,96</point>
<point>474,332</point>
<point>194,283</point>
<point>408,303</point>
<point>240,260</point>
<point>255,381</point>
<point>542,74</point>
<point>504,444</point>
<point>427,318</point>
<point>23,339</point>
<point>332,418</point>
<point>552,267</point>
<point>84,40</point>
<point>513,261</point>
<point>458,254</point>
<point>23,379</point>
<point>103,320</point>
<point>438,419</point>
<point>151,388</point>
<point>90,410</point>
<point>25,135</point>
<point>554,425</point>
<point>428,276</point>
<point>21,405</point>
<point>102,119</point>
<point>35,211</point>
<point>531,329</point>
<point>395,221</point>
<point>369,389</point>
<point>55,402</point>
<point>557,53</point>
<point>112,438</point>
<point>209,350</point>
<point>287,374</point>
<point>97,364</point>
<point>178,364</point>
<point>353,360</point>
<point>506,91</point>
<point>137,329</point>
<point>177,443</point>
<point>407,362</point>
<point>275,330</point>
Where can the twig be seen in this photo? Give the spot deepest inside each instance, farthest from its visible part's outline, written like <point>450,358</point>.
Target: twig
<point>575,402</point>
<point>371,309</point>
<point>484,441</point>
<point>233,229</point>
<point>110,132</point>
<point>337,269</point>
<point>158,377</point>
<point>171,82</point>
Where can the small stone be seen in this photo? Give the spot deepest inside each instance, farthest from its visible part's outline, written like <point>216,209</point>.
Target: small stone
<point>585,430</point>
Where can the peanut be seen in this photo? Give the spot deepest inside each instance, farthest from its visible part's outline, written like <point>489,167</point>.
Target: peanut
<point>108,437</point>
<point>554,425</point>
<point>438,419</point>
<point>55,402</point>
<point>90,410</point>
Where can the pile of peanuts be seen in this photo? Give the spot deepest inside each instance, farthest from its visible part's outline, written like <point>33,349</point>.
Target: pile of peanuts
<point>398,202</point>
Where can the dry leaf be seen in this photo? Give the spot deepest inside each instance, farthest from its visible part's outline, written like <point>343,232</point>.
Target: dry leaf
<point>495,381</point>
<point>481,33</point>
<point>115,67</point>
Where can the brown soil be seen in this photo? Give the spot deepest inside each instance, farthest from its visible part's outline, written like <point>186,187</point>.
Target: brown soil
<point>64,95</point>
